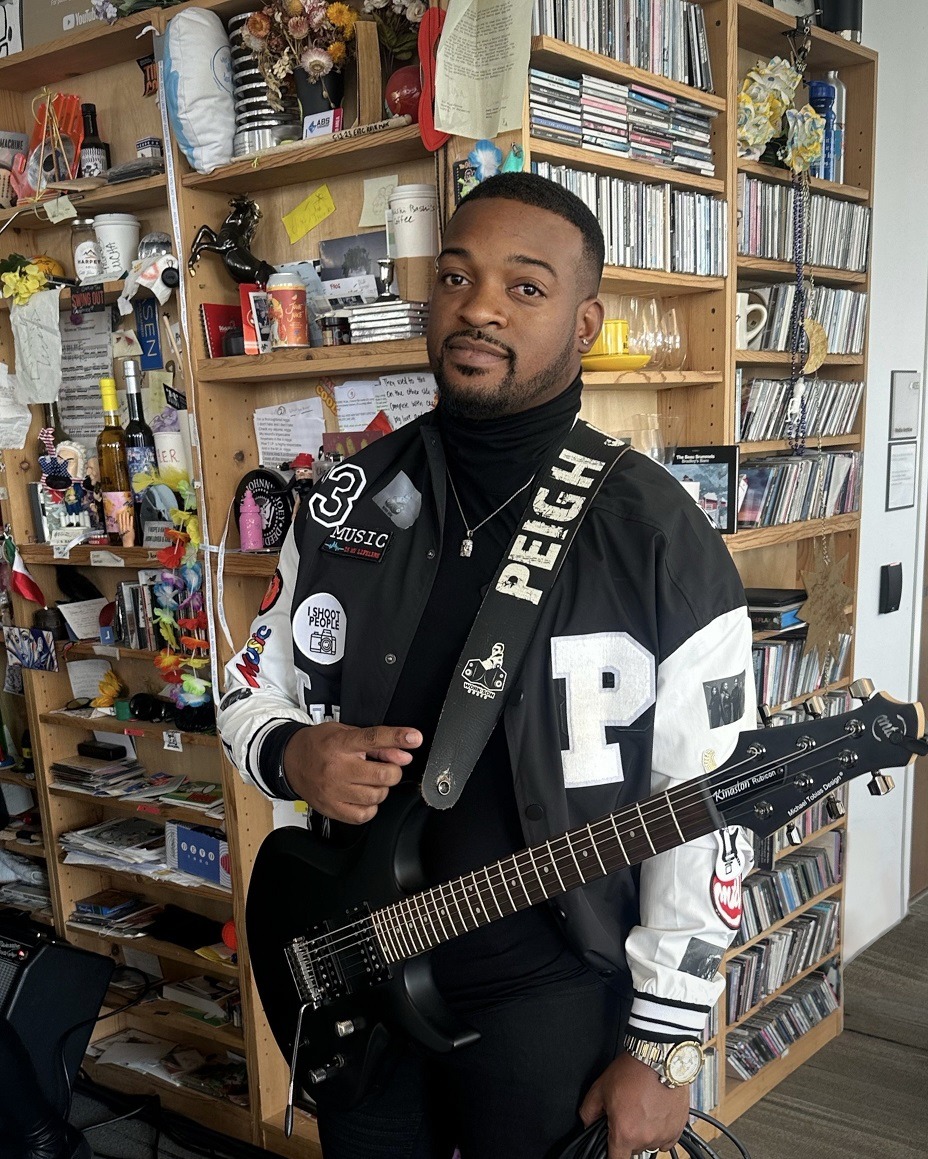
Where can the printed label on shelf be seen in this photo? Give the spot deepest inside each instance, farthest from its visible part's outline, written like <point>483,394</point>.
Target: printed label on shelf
<point>173,742</point>
<point>106,559</point>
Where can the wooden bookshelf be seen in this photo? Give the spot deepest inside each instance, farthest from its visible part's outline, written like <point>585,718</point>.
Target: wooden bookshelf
<point>784,177</point>
<point>758,537</point>
<point>124,197</point>
<point>134,728</point>
<point>619,166</point>
<point>322,361</point>
<point>769,270</point>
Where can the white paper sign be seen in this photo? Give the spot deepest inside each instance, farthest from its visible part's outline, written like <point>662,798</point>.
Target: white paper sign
<point>408,396</point>
<point>283,432</point>
<point>83,618</point>
<point>358,403</point>
<point>14,415</point>
<point>86,357</point>
<point>481,65</point>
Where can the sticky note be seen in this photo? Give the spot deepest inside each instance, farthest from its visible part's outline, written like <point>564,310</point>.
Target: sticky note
<point>59,209</point>
<point>377,192</point>
<point>307,215</point>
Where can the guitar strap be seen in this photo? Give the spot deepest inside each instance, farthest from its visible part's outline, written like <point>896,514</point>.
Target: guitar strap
<point>508,616</point>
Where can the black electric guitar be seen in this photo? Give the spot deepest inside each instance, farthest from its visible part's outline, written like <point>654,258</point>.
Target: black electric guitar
<point>339,939</point>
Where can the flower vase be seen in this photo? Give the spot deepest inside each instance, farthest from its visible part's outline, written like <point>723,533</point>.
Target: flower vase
<point>319,96</point>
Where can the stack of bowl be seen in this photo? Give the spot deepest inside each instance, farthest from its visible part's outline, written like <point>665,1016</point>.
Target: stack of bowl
<point>258,125</point>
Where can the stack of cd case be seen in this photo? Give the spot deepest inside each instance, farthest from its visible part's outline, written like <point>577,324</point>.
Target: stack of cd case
<point>382,321</point>
<point>554,107</point>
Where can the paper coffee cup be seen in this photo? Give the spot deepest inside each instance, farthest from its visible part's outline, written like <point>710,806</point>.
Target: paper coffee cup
<point>118,235</point>
<point>414,212</point>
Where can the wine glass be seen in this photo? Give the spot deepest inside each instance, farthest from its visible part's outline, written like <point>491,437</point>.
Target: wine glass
<point>649,332</point>
<point>673,340</point>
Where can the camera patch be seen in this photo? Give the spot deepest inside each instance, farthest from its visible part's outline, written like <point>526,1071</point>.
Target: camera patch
<point>319,628</point>
<point>400,501</point>
<point>357,543</point>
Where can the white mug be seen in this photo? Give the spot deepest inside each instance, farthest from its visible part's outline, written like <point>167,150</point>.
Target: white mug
<point>746,330</point>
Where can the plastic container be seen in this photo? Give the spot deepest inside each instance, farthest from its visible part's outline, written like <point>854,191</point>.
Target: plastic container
<point>822,99</point>
<point>414,225</point>
<point>118,235</point>
<point>840,122</point>
<point>250,527</point>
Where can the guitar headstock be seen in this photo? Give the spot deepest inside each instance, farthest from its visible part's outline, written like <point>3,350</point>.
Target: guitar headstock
<point>775,774</point>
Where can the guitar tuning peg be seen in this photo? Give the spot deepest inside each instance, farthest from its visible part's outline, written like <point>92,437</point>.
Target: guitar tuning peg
<point>861,689</point>
<point>793,836</point>
<point>814,707</point>
<point>834,807</point>
<point>880,784</point>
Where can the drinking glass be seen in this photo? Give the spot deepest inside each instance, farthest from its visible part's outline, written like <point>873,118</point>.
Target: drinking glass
<point>673,340</point>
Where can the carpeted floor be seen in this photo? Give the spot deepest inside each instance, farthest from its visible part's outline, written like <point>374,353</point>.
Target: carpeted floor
<point>863,1095</point>
<point>866,1093</point>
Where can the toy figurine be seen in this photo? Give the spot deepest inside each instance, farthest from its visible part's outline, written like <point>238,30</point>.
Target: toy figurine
<point>233,243</point>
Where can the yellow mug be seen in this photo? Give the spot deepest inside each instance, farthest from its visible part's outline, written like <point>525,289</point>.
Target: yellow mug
<point>613,338</point>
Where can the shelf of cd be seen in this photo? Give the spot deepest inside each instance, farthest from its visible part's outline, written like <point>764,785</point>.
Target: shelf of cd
<point>771,270</point>
<point>756,537</point>
<point>813,443</point>
<point>781,989</point>
<point>785,177</point>
<point>558,154</point>
<point>733,951</point>
<point>322,361</point>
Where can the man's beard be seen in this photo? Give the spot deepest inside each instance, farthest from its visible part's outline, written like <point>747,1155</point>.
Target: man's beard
<point>509,397</point>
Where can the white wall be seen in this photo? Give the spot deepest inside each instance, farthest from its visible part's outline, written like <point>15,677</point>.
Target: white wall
<point>887,645</point>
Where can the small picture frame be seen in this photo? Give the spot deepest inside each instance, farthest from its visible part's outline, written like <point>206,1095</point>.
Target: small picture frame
<point>905,399</point>
<point>901,475</point>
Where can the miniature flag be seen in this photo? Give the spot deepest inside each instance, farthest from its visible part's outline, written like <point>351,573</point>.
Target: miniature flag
<point>22,582</point>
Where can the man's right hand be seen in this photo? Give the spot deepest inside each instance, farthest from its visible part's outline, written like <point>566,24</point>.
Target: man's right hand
<point>344,772</point>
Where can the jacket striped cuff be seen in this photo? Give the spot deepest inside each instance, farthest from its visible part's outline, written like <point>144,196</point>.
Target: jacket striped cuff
<point>665,1020</point>
<point>269,773</point>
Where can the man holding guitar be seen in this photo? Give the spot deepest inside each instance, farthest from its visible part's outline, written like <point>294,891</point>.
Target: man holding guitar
<point>591,1003</point>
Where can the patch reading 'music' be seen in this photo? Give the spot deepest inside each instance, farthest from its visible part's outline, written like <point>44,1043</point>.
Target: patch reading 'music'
<point>319,628</point>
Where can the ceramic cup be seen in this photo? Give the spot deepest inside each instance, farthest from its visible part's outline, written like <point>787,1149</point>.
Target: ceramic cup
<point>750,319</point>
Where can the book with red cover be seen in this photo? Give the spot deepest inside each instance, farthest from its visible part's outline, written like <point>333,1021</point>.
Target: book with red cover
<point>218,319</point>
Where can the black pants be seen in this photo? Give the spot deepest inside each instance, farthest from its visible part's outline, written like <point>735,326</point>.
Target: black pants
<point>512,1095</point>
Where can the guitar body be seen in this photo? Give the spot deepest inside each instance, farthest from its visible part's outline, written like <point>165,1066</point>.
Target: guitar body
<point>302,885</point>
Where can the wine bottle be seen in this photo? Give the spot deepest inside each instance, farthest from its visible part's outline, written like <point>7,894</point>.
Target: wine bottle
<point>95,153</point>
<point>52,433</point>
<point>115,484</point>
<point>140,441</point>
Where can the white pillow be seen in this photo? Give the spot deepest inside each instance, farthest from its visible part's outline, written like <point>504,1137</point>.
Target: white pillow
<point>198,88</point>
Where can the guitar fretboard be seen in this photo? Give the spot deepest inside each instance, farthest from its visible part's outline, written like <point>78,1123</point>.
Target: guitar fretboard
<point>423,920</point>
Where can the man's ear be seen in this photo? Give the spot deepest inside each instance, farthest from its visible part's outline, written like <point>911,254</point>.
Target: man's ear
<point>589,323</point>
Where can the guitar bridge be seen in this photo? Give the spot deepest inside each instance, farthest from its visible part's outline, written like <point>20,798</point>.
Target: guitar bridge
<point>333,962</point>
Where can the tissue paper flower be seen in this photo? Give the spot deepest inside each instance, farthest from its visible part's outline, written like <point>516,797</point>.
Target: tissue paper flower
<point>21,284</point>
<point>766,93</point>
<point>111,688</point>
<point>805,137</point>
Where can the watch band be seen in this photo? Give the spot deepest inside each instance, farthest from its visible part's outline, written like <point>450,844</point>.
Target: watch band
<point>677,1063</point>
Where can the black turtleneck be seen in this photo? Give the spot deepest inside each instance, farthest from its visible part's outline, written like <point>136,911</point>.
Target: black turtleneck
<point>488,461</point>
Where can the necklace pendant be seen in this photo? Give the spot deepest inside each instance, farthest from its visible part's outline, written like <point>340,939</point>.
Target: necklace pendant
<point>467,546</point>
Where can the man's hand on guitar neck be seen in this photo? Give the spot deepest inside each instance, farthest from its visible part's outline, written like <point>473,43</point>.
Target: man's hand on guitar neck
<point>643,1114</point>
<point>345,773</point>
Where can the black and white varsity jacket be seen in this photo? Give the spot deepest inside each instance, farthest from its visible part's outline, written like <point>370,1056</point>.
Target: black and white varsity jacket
<point>638,678</point>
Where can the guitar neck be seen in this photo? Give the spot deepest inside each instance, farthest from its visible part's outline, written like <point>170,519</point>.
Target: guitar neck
<point>423,920</point>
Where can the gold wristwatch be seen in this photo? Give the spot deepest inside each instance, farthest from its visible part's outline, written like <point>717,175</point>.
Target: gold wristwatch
<point>677,1063</point>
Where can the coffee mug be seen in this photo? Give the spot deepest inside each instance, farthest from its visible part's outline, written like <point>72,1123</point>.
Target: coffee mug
<point>613,338</point>
<point>747,330</point>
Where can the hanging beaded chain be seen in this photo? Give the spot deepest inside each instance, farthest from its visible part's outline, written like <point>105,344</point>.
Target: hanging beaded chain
<point>800,42</point>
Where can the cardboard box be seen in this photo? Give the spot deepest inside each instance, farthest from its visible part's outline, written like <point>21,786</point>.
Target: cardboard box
<point>198,850</point>
<point>45,20</point>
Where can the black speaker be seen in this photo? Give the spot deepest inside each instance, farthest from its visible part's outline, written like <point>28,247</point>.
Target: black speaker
<point>46,988</point>
<point>845,17</point>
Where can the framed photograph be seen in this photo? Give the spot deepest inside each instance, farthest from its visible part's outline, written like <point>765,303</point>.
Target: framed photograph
<point>905,404</point>
<point>901,475</point>
<point>710,474</point>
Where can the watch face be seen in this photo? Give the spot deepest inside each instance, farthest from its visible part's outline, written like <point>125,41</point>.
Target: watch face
<point>683,1063</point>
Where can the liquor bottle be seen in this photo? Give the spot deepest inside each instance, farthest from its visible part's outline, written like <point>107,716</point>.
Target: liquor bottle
<point>95,153</point>
<point>26,759</point>
<point>140,441</point>
<point>840,117</point>
<point>118,509</point>
<point>52,433</point>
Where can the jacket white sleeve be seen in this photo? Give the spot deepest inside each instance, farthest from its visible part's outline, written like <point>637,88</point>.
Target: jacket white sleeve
<point>261,692</point>
<point>675,953</point>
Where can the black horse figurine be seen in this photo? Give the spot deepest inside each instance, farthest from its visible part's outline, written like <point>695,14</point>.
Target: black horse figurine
<point>233,243</point>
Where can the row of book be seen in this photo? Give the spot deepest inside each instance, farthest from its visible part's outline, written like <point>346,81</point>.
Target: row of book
<point>650,227</point>
<point>771,409</point>
<point>814,818</point>
<point>663,36</point>
<point>837,233</point>
<point>135,623</point>
<point>842,313</point>
<point>790,488</point>
<point>782,673</point>
<point>769,895</point>
<point>628,120</point>
<point>769,1034</point>
<point>769,964</point>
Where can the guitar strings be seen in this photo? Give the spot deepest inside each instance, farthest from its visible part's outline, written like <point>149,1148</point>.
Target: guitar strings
<point>458,891</point>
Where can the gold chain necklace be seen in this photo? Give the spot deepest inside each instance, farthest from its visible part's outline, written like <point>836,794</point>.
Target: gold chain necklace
<point>467,543</point>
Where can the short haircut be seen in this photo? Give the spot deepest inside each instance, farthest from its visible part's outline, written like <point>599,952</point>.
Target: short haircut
<point>530,189</point>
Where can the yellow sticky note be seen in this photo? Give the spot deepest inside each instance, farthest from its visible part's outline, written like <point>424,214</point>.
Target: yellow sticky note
<point>307,215</point>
